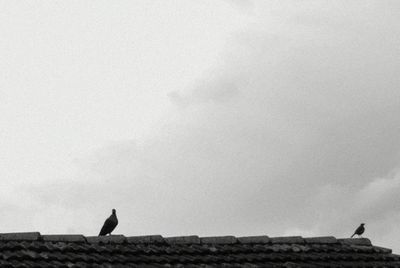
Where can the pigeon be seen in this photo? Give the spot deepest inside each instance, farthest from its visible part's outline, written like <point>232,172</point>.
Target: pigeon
<point>359,231</point>
<point>109,224</point>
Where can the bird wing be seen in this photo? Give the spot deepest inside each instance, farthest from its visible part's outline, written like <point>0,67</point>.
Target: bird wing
<point>359,230</point>
<point>108,227</point>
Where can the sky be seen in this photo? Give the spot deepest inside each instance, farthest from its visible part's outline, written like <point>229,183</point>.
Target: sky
<point>204,118</point>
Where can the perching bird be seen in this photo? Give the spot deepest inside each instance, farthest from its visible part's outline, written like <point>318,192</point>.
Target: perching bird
<point>360,230</point>
<point>109,224</point>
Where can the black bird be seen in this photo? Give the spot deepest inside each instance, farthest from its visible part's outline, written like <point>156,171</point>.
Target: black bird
<point>360,230</point>
<point>109,224</point>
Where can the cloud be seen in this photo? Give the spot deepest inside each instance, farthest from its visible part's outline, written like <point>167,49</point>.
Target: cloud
<point>209,89</point>
<point>379,198</point>
<point>295,131</point>
<point>244,5</point>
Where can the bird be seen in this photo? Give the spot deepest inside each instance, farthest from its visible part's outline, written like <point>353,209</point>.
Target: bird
<point>110,224</point>
<point>359,231</point>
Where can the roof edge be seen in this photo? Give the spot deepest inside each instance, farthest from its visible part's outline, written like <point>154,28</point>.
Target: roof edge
<point>191,239</point>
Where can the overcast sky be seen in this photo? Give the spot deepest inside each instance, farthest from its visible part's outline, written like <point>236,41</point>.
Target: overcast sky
<point>201,117</point>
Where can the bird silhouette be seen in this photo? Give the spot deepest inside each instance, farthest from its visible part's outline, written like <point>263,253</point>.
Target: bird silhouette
<point>359,231</point>
<point>109,224</point>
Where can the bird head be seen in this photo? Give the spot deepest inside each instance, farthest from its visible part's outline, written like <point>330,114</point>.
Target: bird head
<point>113,211</point>
<point>362,224</point>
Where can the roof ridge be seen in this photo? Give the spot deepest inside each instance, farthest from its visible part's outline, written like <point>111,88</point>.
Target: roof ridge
<point>189,239</point>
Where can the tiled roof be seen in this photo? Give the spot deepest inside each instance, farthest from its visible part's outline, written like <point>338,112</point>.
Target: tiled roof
<point>36,250</point>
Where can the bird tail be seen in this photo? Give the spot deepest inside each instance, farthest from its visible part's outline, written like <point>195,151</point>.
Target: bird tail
<point>352,235</point>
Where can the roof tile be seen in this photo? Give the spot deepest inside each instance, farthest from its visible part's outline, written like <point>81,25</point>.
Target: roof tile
<point>115,239</point>
<point>63,238</point>
<point>145,239</point>
<point>218,240</point>
<point>287,240</point>
<point>262,239</point>
<point>381,249</point>
<point>321,240</point>
<point>355,241</point>
<point>27,236</point>
<point>193,239</point>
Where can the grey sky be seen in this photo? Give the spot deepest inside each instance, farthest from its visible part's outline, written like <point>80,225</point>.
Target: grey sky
<point>203,117</point>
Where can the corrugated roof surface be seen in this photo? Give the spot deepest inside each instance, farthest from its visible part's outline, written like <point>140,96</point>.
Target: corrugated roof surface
<point>36,250</point>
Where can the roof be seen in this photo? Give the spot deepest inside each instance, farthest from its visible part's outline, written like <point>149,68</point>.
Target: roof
<point>36,250</point>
